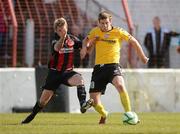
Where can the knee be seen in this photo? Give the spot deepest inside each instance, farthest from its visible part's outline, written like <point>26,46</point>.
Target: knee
<point>80,80</point>
<point>96,98</point>
<point>43,103</point>
<point>120,87</point>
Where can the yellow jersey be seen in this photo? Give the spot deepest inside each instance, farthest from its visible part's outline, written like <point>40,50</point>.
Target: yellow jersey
<point>108,44</point>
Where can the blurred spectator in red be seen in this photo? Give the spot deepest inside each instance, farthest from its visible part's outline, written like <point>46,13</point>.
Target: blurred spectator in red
<point>76,31</point>
<point>157,42</point>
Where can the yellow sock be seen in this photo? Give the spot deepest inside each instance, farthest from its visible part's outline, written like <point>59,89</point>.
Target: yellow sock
<point>125,101</point>
<point>100,109</point>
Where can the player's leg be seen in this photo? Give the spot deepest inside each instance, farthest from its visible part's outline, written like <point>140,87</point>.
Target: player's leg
<point>118,82</point>
<point>44,99</point>
<point>77,80</point>
<point>98,106</point>
<point>51,84</point>
<point>99,81</point>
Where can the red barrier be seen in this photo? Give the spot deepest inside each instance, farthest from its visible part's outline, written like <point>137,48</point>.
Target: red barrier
<point>128,16</point>
<point>130,25</point>
<point>15,30</point>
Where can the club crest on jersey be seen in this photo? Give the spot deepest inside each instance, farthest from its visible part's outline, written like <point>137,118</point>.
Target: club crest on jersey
<point>106,35</point>
<point>69,42</point>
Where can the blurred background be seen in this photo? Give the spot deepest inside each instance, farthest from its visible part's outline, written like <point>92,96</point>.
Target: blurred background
<point>26,28</point>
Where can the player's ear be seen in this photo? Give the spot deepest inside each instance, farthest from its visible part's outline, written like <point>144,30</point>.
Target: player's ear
<point>98,23</point>
<point>110,20</point>
<point>66,25</point>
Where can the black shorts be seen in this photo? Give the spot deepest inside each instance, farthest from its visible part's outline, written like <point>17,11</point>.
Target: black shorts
<point>102,75</point>
<point>55,78</point>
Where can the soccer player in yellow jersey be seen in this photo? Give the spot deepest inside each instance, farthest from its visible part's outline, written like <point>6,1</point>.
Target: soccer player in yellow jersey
<point>107,41</point>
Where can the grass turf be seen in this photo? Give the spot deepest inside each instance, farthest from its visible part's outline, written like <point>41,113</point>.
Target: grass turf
<point>65,123</point>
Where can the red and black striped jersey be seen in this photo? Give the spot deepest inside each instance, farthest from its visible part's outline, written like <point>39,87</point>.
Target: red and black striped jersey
<point>63,60</point>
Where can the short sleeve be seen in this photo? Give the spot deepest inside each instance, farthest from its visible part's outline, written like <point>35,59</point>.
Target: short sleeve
<point>91,34</point>
<point>77,42</point>
<point>54,40</point>
<point>124,35</point>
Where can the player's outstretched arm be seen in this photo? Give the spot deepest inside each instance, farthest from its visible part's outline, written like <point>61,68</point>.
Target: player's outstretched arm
<point>88,46</point>
<point>139,50</point>
<point>84,48</point>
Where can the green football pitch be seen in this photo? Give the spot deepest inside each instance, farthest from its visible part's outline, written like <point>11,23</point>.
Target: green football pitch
<point>65,123</point>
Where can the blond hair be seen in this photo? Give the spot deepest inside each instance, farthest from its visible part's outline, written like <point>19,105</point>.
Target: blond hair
<point>104,15</point>
<point>59,22</point>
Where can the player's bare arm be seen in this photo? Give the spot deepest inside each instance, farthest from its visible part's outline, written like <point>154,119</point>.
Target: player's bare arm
<point>84,48</point>
<point>139,50</point>
<point>88,46</point>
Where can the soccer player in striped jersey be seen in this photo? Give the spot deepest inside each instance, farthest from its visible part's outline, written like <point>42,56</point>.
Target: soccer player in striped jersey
<point>107,41</point>
<point>61,69</point>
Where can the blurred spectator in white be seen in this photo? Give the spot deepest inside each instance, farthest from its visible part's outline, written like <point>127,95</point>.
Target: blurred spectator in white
<point>157,43</point>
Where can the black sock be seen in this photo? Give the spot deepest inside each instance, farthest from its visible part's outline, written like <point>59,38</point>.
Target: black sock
<point>81,93</point>
<point>36,108</point>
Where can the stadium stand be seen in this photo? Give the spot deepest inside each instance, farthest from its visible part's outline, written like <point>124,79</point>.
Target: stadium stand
<point>43,14</point>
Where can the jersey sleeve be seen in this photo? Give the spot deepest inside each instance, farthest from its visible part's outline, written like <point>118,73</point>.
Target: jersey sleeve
<point>54,40</point>
<point>124,35</point>
<point>91,34</point>
<point>77,41</point>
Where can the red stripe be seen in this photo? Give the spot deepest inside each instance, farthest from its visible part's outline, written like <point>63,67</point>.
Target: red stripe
<point>60,61</point>
<point>70,61</point>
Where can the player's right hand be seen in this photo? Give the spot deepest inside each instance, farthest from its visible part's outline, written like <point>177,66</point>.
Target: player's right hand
<point>63,33</point>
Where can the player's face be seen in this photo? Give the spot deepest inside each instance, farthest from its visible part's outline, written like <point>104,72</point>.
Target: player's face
<point>105,24</point>
<point>156,23</point>
<point>61,30</point>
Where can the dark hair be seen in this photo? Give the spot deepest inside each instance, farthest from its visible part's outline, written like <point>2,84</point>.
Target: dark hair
<point>104,15</point>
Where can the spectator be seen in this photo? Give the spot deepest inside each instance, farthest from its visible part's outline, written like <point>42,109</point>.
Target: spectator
<point>157,42</point>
